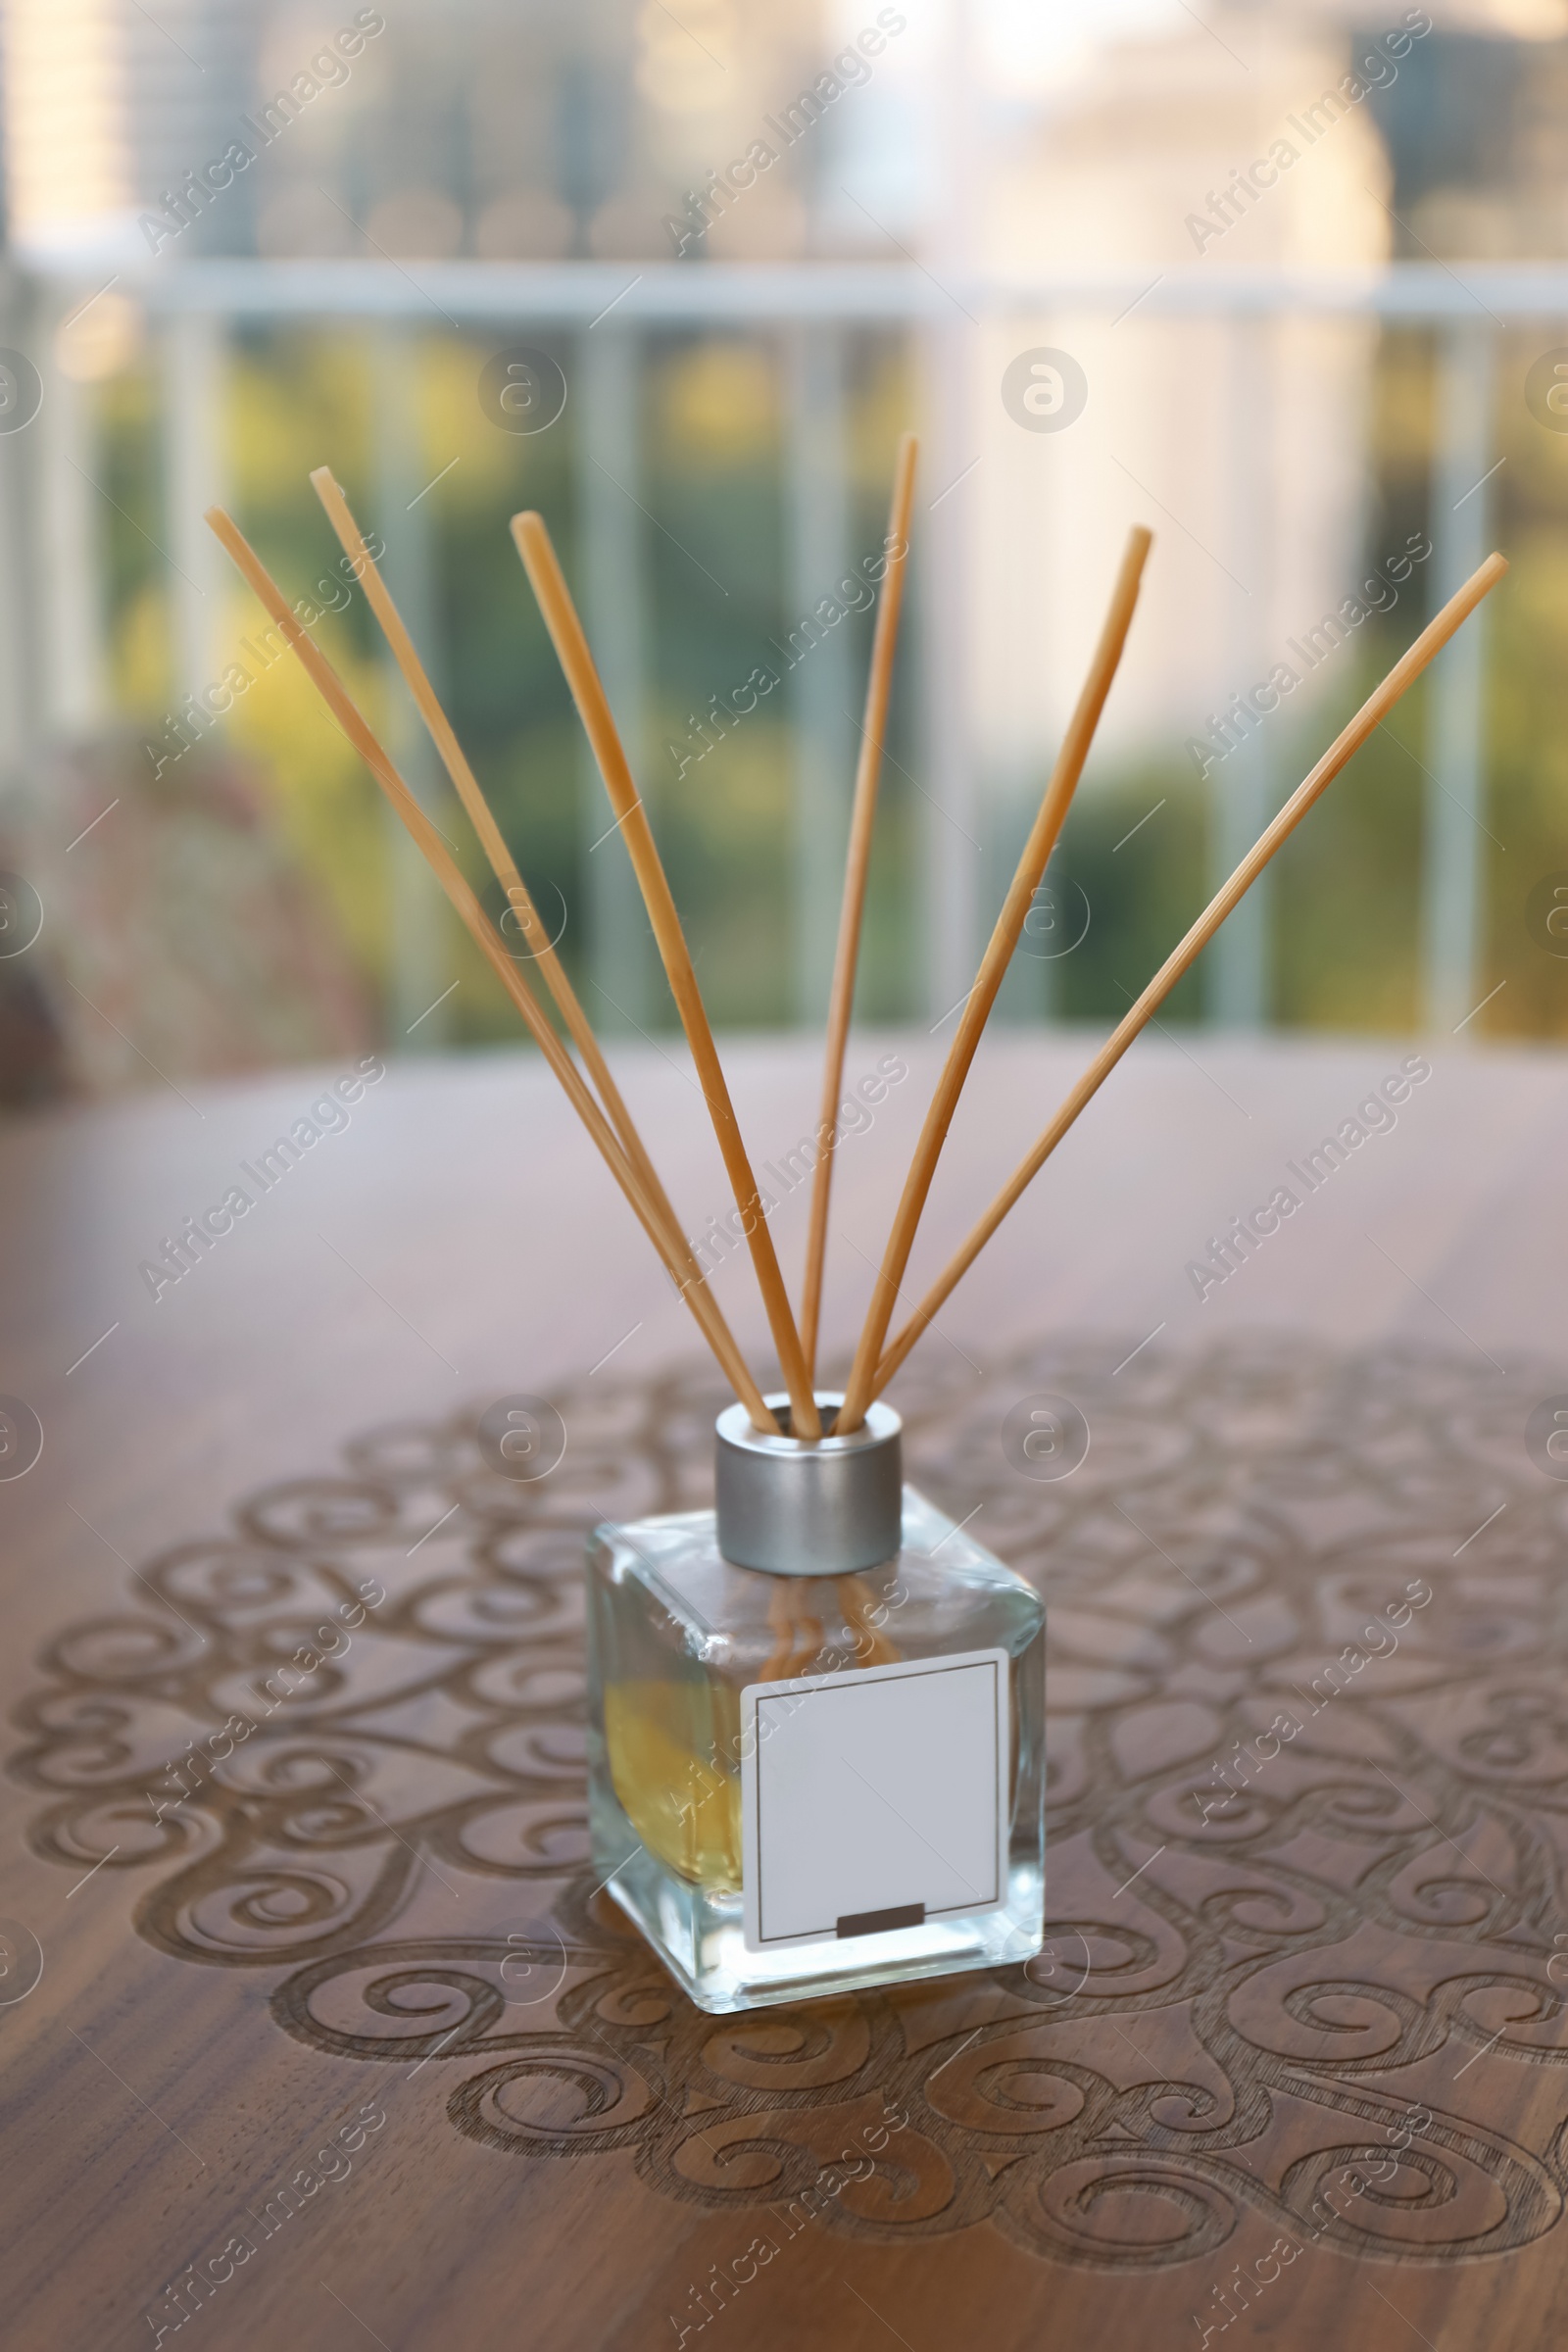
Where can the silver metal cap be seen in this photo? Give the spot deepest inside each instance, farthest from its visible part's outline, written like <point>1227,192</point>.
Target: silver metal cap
<point>793,1509</point>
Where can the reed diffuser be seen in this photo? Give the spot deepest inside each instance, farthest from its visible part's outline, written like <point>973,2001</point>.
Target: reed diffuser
<point>817,1711</point>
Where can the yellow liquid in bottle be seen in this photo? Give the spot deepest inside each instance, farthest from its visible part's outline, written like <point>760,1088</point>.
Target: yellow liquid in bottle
<point>673,1758</point>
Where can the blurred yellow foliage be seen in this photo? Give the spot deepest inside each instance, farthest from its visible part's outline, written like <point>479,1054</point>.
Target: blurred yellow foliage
<point>138,652</point>
<point>304,403</point>
<point>718,405</point>
<point>329,808</point>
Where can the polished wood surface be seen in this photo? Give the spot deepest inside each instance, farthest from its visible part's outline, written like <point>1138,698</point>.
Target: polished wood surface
<point>345,2026</point>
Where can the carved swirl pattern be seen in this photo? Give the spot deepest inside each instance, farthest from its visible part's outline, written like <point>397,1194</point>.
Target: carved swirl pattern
<point>1267,1949</point>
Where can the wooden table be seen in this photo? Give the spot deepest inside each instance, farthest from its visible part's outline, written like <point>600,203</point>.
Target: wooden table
<point>344,2027</point>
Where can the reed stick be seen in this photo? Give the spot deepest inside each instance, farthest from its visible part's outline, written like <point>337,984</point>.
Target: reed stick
<point>867,774</point>
<point>797,1631</point>
<point>872,1647</point>
<point>571,649</point>
<point>1060,786</point>
<point>1433,638</point>
<point>501,864</point>
<point>779,1663</point>
<point>333,693</point>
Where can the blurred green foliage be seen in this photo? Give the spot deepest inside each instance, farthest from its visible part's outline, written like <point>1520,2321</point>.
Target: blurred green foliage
<point>1346,891</point>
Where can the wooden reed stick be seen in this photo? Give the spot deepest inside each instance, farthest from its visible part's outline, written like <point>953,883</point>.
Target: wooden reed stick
<point>1433,638</point>
<point>349,717</point>
<point>1060,786</point>
<point>571,649</point>
<point>798,1634</point>
<point>501,864</point>
<point>779,1663</point>
<point>868,770</point>
<point>872,1647</point>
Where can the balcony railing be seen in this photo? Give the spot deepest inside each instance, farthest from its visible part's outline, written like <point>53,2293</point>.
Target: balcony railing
<point>52,650</point>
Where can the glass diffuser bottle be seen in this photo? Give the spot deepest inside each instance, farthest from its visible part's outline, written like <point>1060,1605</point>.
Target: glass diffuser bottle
<point>816,1714</point>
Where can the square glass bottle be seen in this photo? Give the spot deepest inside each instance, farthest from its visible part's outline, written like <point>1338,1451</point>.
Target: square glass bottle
<point>815,1726</point>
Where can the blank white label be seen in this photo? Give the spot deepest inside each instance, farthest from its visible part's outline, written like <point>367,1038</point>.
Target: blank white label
<point>882,1790</point>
